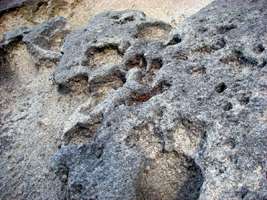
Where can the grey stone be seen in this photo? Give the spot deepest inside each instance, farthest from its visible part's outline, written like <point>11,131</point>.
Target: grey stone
<point>188,118</point>
<point>172,113</point>
<point>6,5</point>
<point>43,41</point>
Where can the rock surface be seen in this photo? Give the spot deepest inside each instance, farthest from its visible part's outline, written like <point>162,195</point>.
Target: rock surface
<point>5,5</point>
<point>169,113</point>
<point>184,111</point>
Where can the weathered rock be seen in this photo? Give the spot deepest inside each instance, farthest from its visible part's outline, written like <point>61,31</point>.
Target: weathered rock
<point>171,113</point>
<point>30,113</point>
<point>175,114</point>
<point>9,4</point>
<point>43,41</point>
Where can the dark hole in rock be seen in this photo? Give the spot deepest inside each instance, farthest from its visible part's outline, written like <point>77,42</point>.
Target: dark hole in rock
<point>228,106</point>
<point>202,29</point>
<point>152,70</point>
<point>237,57</point>
<point>77,85</point>
<point>188,124</point>
<point>244,98</point>
<point>220,87</point>
<point>115,17</point>
<point>108,124</point>
<point>262,64</point>
<point>221,171</point>
<point>219,44</point>
<point>137,98</point>
<point>121,76</point>
<point>176,39</point>
<point>191,188</point>
<point>156,63</point>
<point>40,4</point>
<point>259,48</point>
<point>63,173</point>
<point>243,192</point>
<point>137,60</point>
<point>202,20</point>
<point>129,18</point>
<point>63,89</point>
<point>225,28</point>
<point>125,20</point>
<point>76,188</point>
<point>161,87</point>
<point>230,142</point>
<point>5,143</point>
<point>5,70</point>
<point>248,60</point>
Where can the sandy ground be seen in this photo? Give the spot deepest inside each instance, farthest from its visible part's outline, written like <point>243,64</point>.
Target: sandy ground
<point>172,11</point>
<point>79,12</point>
<point>32,113</point>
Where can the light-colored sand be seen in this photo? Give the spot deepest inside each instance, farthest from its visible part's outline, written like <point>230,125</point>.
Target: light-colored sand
<point>172,11</point>
<point>78,12</point>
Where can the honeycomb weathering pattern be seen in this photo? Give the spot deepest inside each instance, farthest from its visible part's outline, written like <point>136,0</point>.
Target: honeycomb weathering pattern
<point>172,113</point>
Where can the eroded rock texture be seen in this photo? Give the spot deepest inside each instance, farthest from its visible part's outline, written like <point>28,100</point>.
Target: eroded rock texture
<point>9,4</point>
<point>170,113</point>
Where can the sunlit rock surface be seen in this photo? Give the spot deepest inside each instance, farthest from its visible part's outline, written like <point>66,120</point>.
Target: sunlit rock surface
<point>169,113</point>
